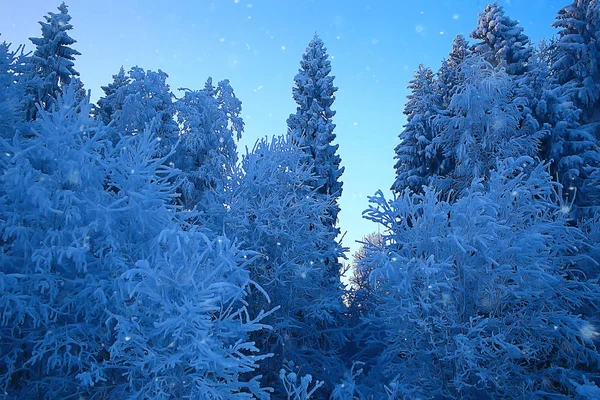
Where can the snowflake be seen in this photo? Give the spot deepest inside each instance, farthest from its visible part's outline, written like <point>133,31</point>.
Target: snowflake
<point>589,331</point>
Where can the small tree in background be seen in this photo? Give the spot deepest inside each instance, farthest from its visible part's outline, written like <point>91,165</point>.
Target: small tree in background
<point>136,100</point>
<point>418,157</point>
<point>112,100</point>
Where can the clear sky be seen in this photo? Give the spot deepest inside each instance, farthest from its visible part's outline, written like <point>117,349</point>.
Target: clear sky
<point>375,46</point>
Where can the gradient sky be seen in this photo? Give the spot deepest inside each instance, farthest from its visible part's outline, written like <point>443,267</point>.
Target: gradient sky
<point>375,46</point>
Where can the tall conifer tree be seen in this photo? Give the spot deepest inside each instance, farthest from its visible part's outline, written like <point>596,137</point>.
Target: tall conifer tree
<point>311,127</point>
<point>51,66</point>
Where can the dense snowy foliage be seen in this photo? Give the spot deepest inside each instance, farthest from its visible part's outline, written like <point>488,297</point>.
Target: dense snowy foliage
<point>466,289</point>
<point>142,257</point>
<point>276,212</point>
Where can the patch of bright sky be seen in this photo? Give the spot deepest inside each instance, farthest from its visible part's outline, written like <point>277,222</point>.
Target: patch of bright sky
<point>375,46</point>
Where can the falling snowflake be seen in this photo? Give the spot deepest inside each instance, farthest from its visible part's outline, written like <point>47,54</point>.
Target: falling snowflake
<point>589,331</point>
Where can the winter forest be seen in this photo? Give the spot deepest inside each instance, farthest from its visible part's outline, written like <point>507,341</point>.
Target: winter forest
<point>145,257</point>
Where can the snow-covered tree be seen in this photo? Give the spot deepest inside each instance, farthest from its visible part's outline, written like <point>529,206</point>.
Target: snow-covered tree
<point>572,102</point>
<point>575,58</point>
<point>481,297</point>
<point>448,79</point>
<point>210,124</point>
<point>502,41</point>
<point>11,90</point>
<point>311,127</point>
<point>106,292</point>
<point>111,102</point>
<point>460,51</point>
<point>49,201</point>
<point>275,212</point>
<point>136,100</point>
<point>571,148</point>
<point>418,157</point>
<point>482,123</point>
<point>51,67</point>
<point>360,296</point>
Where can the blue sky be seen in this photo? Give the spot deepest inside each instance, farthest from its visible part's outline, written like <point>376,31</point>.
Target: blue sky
<point>375,47</point>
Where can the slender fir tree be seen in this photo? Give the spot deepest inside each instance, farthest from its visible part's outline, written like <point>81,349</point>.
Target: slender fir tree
<point>311,127</point>
<point>51,66</point>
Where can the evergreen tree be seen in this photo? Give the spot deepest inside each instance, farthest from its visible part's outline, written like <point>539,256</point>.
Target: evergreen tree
<point>311,127</point>
<point>360,298</point>
<point>420,154</point>
<point>51,66</point>
<point>483,123</point>
<point>449,81</point>
<point>277,213</point>
<point>460,51</point>
<point>11,90</point>
<point>575,58</point>
<point>502,41</point>
<point>448,78</point>
<point>571,149</point>
<point>573,100</point>
<point>481,297</point>
<point>210,123</point>
<point>136,100</point>
<point>109,104</point>
<point>417,155</point>
<point>105,294</point>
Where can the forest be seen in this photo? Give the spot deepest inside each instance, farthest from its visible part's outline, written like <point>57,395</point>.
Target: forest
<point>143,257</point>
